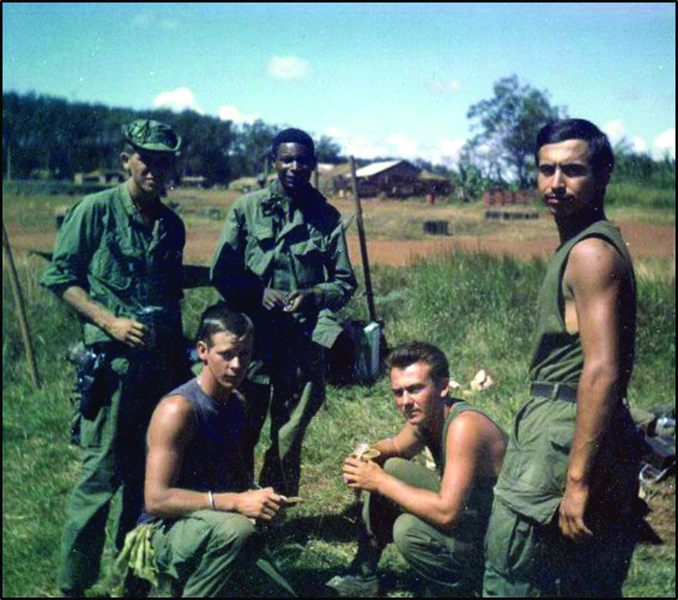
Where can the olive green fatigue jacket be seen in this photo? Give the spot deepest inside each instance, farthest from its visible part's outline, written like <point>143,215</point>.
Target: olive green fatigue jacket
<point>271,241</point>
<point>104,248</point>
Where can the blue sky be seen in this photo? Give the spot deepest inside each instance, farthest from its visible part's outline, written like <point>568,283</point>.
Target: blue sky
<point>381,79</point>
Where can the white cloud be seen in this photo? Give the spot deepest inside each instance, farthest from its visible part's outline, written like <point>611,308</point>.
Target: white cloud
<point>361,147</point>
<point>639,145</point>
<point>665,143</point>
<point>442,152</point>
<point>148,21</point>
<point>335,132</point>
<point>450,86</point>
<point>228,112</point>
<point>404,146</point>
<point>615,130</point>
<point>178,100</point>
<point>288,67</point>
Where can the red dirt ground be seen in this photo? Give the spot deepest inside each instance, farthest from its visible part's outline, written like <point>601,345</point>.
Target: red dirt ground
<point>644,241</point>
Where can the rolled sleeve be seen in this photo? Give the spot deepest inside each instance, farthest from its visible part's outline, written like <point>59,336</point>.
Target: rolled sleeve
<point>75,245</point>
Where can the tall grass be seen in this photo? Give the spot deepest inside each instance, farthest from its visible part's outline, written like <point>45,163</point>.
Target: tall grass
<point>627,193</point>
<point>479,309</point>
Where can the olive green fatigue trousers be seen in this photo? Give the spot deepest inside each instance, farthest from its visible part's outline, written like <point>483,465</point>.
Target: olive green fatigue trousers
<point>213,554</point>
<point>113,444</point>
<point>526,554</point>
<point>295,394</point>
<point>450,563</point>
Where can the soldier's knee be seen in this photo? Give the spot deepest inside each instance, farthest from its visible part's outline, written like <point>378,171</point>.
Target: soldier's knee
<point>406,536</point>
<point>396,466</point>
<point>235,532</point>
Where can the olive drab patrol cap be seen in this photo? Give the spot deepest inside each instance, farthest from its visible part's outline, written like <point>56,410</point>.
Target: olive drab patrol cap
<point>151,136</point>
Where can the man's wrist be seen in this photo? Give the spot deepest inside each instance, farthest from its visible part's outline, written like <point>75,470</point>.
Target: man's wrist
<point>319,297</point>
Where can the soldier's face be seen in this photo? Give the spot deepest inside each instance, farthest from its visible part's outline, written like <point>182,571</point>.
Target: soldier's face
<point>226,359</point>
<point>149,171</point>
<point>566,179</point>
<point>294,164</point>
<point>418,397</point>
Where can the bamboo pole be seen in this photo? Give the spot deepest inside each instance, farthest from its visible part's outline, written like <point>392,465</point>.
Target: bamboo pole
<point>363,244</point>
<point>21,312</point>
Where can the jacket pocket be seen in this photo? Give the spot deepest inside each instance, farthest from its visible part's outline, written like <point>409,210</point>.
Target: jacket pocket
<point>117,262</point>
<point>309,263</point>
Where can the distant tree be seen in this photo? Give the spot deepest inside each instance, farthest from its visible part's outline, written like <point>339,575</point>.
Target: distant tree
<point>470,181</point>
<point>328,151</point>
<point>508,126</point>
<point>249,156</point>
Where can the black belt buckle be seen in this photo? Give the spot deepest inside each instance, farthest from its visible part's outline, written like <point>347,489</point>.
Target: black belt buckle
<point>553,391</point>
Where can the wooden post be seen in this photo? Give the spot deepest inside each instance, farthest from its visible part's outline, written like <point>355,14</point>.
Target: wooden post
<point>363,245</point>
<point>18,299</point>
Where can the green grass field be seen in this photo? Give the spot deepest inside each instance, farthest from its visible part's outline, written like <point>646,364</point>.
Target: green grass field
<point>477,308</point>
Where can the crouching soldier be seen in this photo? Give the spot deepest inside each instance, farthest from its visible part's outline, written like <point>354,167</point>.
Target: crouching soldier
<point>437,519</point>
<point>200,529</point>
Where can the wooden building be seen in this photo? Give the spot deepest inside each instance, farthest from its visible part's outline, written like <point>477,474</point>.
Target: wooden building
<point>391,179</point>
<point>101,176</point>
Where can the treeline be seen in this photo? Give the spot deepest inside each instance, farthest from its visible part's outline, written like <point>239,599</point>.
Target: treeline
<point>48,136</point>
<point>51,137</point>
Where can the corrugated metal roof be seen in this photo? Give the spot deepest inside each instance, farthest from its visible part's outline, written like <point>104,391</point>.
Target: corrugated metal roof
<point>377,167</point>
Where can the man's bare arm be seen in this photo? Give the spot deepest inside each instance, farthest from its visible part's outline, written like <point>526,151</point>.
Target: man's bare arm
<point>594,278</point>
<point>127,331</point>
<point>467,445</point>
<point>170,431</point>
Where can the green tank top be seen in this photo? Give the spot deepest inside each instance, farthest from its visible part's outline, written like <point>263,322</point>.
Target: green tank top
<point>558,356</point>
<point>479,501</point>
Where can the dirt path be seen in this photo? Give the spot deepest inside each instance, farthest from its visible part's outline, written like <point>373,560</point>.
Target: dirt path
<point>644,241</point>
<point>520,240</point>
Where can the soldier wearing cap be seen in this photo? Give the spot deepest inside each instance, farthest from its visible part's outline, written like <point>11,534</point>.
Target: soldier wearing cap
<point>118,264</point>
<point>283,260</point>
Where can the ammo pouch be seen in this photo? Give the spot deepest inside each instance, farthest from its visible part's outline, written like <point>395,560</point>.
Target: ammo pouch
<point>88,363</point>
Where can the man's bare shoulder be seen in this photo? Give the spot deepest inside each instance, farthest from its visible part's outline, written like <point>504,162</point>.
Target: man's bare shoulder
<point>175,411</point>
<point>472,426</point>
<point>594,258</point>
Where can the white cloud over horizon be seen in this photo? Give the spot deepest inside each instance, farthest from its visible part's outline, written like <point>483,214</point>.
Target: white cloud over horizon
<point>443,152</point>
<point>288,67</point>
<point>228,112</point>
<point>663,144</point>
<point>178,100</point>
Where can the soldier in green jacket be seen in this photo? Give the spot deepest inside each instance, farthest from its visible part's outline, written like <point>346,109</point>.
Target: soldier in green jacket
<point>563,516</point>
<point>118,264</point>
<point>282,259</point>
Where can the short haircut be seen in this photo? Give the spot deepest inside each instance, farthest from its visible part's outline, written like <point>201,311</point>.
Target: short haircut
<point>602,156</point>
<point>219,318</point>
<point>291,136</point>
<point>410,353</point>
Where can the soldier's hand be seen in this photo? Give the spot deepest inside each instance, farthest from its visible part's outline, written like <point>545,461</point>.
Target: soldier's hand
<point>571,512</point>
<point>273,299</point>
<point>302,300</point>
<point>362,475</point>
<point>259,504</point>
<point>127,331</point>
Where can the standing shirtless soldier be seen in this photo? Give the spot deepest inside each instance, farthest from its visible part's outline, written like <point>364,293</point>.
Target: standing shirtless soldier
<point>564,500</point>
